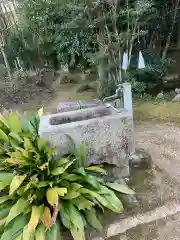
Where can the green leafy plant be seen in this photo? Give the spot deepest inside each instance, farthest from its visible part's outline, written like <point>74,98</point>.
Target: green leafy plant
<point>38,193</point>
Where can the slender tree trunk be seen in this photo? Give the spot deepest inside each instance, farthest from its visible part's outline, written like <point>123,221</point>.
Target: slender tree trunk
<point>168,41</point>
<point>178,38</point>
<point>6,62</point>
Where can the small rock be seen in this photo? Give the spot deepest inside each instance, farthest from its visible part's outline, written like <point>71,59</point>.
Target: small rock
<point>140,159</point>
<point>177,91</point>
<point>176,98</point>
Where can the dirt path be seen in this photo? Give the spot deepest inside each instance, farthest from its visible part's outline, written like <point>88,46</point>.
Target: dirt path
<point>163,143</point>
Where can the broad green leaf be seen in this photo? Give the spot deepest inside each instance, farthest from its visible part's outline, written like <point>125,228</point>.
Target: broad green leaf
<point>114,202</point>
<point>3,185</point>
<point>21,191</point>
<point>25,153</point>
<point>28,144</point>
<point>61,191</point>
<point>18,225</point>
<point>6,235</point>
<point>4,199</point>
<point>57,171</point>
<point>16,137</point>
<point>64,215</point>
<point>15,161</point>
<point>60,170</point>
<point>82,203</point>
<point>30,185</point>
<point>4,212</point>
<point>77,233</point>
<point>54,232</point>
<point>53,194</point>
<point>97,169</point>
<point>46,218</point>
<point>82,155</point>
<point>80,171</point>
<point>92,219</point>
<point>3,221</point>
<point>75,216</point>
<point>14,122</point>
<point>27,235</point>
<point>72,145</point>
<point>71,177</point>
<point>19,237</point>
<point>4,122</point>
<point>71,195</point>
<point>75,186</point>
<point>104,190</point>
<point>92,180</point>
<point>17,209</point>
<point>120,188</point>
<point>94,194</point>
<point>36,214</point>
<point>16,183</point>
<point>58,163</point>
<point>3,136</point>
<point>44,184</point>
<point>40,232</point>
<point>96,203</point>
<point>42,144</point>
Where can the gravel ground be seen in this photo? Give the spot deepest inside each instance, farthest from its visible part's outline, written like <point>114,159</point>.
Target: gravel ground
<point>163,143</point>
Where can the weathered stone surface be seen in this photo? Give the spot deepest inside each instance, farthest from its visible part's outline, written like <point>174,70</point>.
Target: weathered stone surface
<point>140,159</point>
<point>108,138</point>
<point>89,103</point>
<point>81,115</point>
<point>72,106</point>
<point>176,98</point>
<point>68,106</point>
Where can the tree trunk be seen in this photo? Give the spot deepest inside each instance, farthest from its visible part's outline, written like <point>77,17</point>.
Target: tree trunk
<point>178,38</point>
<point>168,41</point>
<point>6,63</point>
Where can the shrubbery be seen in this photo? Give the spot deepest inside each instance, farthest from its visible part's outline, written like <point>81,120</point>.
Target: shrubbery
<point>39,193</point>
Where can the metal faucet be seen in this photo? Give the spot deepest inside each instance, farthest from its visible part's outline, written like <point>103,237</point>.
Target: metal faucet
<point>117,97</point>
<point>118,94</point>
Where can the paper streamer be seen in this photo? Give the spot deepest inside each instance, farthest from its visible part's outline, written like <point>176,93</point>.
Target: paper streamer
<point>125,62</point>
<point>141,62</point>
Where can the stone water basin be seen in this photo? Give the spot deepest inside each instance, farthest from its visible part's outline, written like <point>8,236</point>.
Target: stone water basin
<point>106,133</point>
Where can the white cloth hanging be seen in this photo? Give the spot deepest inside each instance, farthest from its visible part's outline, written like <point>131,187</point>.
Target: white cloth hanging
<point>141,62</point>
<point>125,62</point>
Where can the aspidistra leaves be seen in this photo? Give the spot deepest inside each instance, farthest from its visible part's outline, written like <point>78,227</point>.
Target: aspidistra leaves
<point>53,194</point>
<point>40,232</point>
<point>36,214</point>
<point>46,218</point>
<point>17,209</point>
<point>16,183</point>
<point>43,190</point>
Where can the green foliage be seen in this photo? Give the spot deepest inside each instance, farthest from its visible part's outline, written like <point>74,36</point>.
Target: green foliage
<point>3,70</point>
<point>151,76</point>
<point>20,76</point>
<point>39,193</point>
